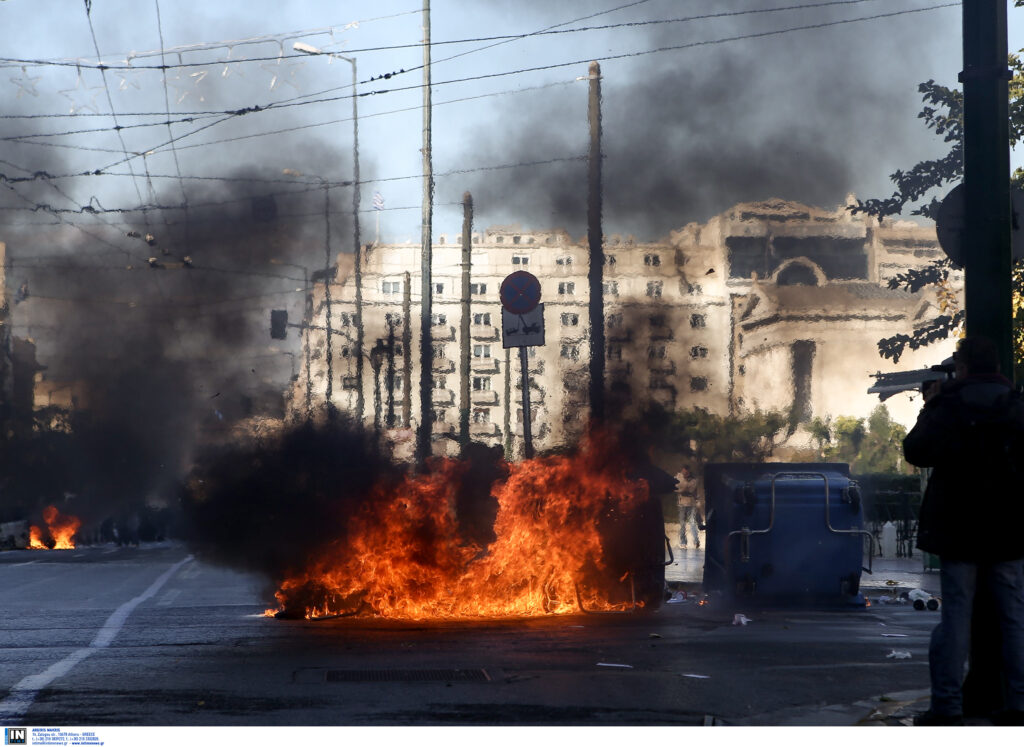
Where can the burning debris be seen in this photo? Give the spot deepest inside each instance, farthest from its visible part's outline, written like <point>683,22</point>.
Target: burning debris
<point>61,529</point>
<point>570,533</point>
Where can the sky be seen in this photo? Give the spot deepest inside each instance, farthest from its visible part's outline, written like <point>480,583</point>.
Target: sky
<point>210,134</point>
<point>809,114</point>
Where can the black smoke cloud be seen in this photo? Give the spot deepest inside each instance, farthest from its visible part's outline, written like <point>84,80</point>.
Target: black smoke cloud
<point>806,116</point>
<point>156,321</point>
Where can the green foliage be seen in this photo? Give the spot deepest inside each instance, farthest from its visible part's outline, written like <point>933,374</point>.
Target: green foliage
<point>872,445</point>
<point>942,113</point>
<point>724,438</point>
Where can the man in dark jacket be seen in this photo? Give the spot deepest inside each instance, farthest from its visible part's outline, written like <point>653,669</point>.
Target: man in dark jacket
<point>971,433</point>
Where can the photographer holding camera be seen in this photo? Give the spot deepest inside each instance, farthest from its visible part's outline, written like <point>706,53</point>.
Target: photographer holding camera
<point>971,432</point>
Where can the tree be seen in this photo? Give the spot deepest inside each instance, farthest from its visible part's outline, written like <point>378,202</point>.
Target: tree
<point>943,113</point>
<point>871,446</point>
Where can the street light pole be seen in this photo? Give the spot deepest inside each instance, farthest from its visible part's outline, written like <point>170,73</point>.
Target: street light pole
<point>358,248</point>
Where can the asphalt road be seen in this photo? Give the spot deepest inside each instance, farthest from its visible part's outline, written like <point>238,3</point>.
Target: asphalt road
<point>150,636</point>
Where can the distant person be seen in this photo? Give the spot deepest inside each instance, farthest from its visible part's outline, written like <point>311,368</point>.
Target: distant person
<point>686,501</point>
<point>971,432</point>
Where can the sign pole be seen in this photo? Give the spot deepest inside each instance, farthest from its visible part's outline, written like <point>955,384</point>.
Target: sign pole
<point>524,364</point>
<point>522,326</point>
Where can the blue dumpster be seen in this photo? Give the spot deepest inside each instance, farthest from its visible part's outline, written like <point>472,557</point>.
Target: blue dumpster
<point>790,533</point>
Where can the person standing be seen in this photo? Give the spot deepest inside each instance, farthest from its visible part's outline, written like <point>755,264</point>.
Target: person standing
<point>970,431</point>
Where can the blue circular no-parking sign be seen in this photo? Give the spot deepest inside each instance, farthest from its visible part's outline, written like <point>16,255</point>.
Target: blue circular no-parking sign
<point>520,292</point>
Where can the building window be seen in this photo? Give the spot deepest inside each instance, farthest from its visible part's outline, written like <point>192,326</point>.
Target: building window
<point>563,261</point>
<point>439,382</point>
<point>698,384</point>
<point>438,416</point>
<point>613,321</point>
<point>481,415</point>
<point>609,259</point>
<point>345,352</point>
<point>481,351</point>
<point>520,259</point>
<point>694,289</point>
<point>392,319</point>
<point>654,288</point>
<point>478,289</point>
<point>657,352</point>
<point>611,288</point>
<point>396,384</point>
<point>660,381</point>
<point>349,382</point>
<point>389,287</point>
<point>438,320</point>
<point>481,383</point>
<point>656,320</point>
<point>570,320</point>
<point>567,289</point>
<point>533,415</point>
<point>437,351</point>
<point>499,239</point>
<point>614,352</point>
<point>652,260</point>
<point>698,321</point>
<point>438,289</point>
<point>571,352</point>
<point>698,351</point>
<point>516,239</point>
<point>482,319</point>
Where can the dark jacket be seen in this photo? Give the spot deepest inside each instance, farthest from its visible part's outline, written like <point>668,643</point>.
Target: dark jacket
<point>971,435</point>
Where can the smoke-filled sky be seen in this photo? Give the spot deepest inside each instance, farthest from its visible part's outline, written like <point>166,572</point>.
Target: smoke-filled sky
<point>705,103</point>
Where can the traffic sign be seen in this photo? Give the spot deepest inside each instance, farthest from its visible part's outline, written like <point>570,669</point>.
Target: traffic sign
<point>951,222</point>
<point>522,330</point>
<point>520,292</point>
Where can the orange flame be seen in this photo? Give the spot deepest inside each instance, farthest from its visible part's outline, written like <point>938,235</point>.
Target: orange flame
<point>559,522</point>
<point>62,528</point>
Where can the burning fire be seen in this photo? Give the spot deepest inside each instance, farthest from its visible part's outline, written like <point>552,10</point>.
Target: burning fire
<point>566,535</point>
<point>62,528</point>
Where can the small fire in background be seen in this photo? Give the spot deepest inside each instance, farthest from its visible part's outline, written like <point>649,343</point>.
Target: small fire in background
<point>61,528</point>
<point>567,531</point>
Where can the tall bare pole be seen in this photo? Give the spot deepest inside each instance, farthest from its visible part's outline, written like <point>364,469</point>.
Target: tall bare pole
<point>467,257</point>
<point>358,245</point>
<point>426,348</point>
<point>595,241</point>
<point>329,394</point>
<point>407,350</point>
<point>987,259</point>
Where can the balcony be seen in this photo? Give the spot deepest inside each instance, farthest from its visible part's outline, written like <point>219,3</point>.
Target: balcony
<point>442,332</point>
<point>483,334</point>
<point>662,332</point>
<point>661,365</point>
<point>442,396</point>
<point>443,366</point>
<point>439,429</point>
<point>484,429</point>
<point>484,398</point>
<point>484,365</point>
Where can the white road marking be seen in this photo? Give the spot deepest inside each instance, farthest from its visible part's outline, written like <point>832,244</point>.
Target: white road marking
<point>28,562</point>
<point>167,598</point>
<point>23,694</point>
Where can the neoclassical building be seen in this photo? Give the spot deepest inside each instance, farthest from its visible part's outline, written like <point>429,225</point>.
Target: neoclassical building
<point>771,305</point>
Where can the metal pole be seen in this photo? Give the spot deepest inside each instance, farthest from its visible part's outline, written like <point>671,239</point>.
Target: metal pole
<point>389,377</point>
<point>426,378</point>
<point>987,255</point>
<point>327,299</point>
<point>508,404</point>
<point>524,364</point>
<point>356,189</point>
<point>407,351</point>
<point>595,239</point>
<point>467,256</point>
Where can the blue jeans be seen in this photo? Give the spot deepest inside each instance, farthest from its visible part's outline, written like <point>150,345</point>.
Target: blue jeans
<point>951,639</point>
